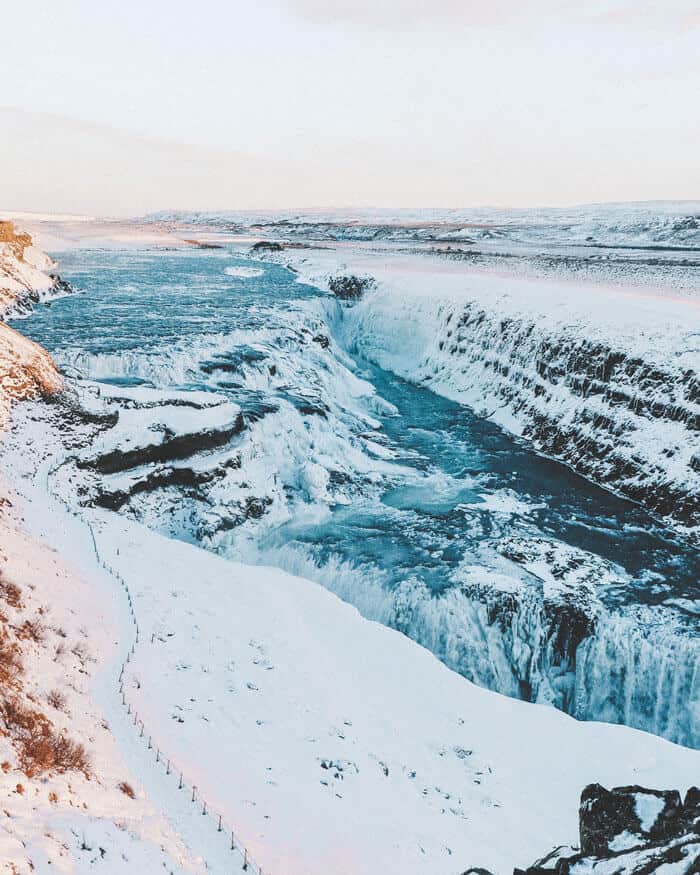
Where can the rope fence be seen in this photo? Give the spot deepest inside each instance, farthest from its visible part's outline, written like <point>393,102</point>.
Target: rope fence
<point>180,781</point>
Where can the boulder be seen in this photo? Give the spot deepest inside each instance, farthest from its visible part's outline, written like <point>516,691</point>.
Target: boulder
<point>610,818</point>
<point>630,831</point>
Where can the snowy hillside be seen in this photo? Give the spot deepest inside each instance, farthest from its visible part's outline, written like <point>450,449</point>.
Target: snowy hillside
<point>333,743</point>
<point>26,370</point>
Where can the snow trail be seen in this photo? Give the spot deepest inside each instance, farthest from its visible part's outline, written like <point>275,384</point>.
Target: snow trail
<point>185,785</point>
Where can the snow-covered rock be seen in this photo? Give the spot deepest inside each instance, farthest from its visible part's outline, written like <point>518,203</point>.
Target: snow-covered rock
<point>26,275</point>
<point>629,831</point>
<point>26,370</point>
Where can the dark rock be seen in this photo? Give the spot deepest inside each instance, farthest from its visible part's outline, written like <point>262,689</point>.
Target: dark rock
<point>349,288</point>
<point>200,244</point>
<point>606,814</point>
<point>266,246</point>
<point>636,829</point>
<point>172,448</point>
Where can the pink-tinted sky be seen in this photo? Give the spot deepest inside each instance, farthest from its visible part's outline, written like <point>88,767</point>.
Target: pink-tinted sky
<point>122,108</point>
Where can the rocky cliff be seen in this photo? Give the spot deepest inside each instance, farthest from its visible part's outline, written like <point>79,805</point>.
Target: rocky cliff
<point>603,380</point>
<point>26,369</point>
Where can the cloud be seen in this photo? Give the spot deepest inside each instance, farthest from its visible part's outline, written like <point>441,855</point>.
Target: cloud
<point>407,14</point>
<point>48,161</point>
<point>400,15</point>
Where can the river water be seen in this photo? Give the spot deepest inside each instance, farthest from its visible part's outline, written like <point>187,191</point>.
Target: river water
<point>515,571</point>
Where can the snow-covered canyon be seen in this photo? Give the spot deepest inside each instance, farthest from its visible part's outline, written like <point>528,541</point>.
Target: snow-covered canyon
<point>601,377</point>
<point>278,441</point>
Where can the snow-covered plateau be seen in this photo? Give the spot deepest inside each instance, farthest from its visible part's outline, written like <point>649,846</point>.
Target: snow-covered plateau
<point>229,449</point>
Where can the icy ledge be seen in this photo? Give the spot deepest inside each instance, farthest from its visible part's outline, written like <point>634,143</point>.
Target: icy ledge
<point>605,379</point>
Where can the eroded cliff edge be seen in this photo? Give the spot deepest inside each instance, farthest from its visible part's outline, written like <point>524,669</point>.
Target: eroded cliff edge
<point>26,369</point>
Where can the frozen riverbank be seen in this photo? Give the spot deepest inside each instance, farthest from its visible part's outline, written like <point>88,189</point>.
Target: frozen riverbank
<point>515,572</point>
<point>243,431</point>
<point>265,688</point>
<point>603,378</point>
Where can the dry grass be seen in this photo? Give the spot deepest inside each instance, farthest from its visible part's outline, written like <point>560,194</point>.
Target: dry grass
<point>17,242</point>
<point>40,748</point>
<point>10,593</point>
<point>10,662</point>
<point>32,630</point>
<point>127,789</point>
<point>57,700</point>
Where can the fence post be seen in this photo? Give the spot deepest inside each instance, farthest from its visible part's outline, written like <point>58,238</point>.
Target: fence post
<point>247,865</point>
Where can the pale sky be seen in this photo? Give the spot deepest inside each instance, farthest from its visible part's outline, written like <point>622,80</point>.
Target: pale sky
<point>121,108</point>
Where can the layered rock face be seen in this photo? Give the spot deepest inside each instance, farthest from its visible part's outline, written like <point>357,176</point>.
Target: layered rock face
<point>630,831</point>
<point>608,383</point>
<point>26,369</point>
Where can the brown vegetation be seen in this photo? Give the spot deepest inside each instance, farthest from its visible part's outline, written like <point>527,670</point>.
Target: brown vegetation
<point>10,662</point>
<point>57,700</point>
<point>40,747</point>
<point>10,593</point>
<point>127,789</point>
<point>32,630</point>
<point>17,242</point>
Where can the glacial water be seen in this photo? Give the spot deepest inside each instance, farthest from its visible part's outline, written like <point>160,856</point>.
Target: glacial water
<point>515,571</point>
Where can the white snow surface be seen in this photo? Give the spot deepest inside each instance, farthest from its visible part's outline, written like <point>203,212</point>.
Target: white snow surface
<point>332,743</point>
<point>337,744</point>
<point>648,807</point>
<point>68,823</point>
